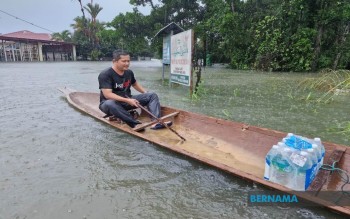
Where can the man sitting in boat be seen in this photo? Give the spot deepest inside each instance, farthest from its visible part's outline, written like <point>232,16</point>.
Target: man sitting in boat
<point>115,95</point>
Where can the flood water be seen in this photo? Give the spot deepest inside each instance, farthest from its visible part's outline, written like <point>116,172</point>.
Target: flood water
<point>56,162</point>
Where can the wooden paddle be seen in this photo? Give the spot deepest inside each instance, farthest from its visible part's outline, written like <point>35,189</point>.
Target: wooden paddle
<point>160,121</point>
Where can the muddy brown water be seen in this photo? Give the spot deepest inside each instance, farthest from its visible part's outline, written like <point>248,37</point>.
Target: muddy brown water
<point>56,162</point>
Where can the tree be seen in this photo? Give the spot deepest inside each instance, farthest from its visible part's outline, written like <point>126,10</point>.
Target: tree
<point>132,31</point>
<point>93,10</point>
<point>108,41</point>
<point>143,3</point>
<point>64,36</point>
<point>341,20</point>
<point>79,25</point>
<point>289,35</point>
<point>86,30</point>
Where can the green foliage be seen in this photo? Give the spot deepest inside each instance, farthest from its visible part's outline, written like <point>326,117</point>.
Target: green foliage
<point>86,30</point>
<point>64,36</point>
<point>329,83</point>
<point>201,92</point>
<point>267,43</point>
<point>83,44</point>
<point>340,128</point>
<point>291,35</point>
<point>298,56</point>
<point>108,41</point>
<point>131,31</point>
<point>95,55</point>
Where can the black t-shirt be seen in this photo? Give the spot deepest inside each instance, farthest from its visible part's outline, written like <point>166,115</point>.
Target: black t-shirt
<point>120,85</point>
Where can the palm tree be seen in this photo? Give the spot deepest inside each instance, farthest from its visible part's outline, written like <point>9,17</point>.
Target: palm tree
<point>80,25</point>
<point>93,11</point>
<point>64,36</point>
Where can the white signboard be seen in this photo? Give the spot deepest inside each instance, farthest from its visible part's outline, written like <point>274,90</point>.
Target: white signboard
<point>181,58</point>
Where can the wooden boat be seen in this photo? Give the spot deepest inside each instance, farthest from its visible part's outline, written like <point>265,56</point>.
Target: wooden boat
<point>231,146</point>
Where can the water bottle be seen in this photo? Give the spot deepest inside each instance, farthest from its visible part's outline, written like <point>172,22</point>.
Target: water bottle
<point>304,143</point>
<point>315,163</point>
<point>303,171</point>
<point>273,152</point>
<point>319,143</point>
<point>281,170</point>
<point>314,160</point>
<point>282,145</point>
<point>317,151</point>
<point>290,140</point>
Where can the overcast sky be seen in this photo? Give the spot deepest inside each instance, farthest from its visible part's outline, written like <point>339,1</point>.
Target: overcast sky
<point>55,15</point>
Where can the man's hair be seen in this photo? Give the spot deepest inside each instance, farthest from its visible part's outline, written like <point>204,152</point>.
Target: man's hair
<point>118,53</point>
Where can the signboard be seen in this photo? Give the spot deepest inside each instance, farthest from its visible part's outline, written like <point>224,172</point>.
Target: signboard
<point>181,58</point>
<point>166,50</point>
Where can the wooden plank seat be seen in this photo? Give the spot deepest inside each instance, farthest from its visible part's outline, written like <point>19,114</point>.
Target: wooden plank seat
<point>142,126</point>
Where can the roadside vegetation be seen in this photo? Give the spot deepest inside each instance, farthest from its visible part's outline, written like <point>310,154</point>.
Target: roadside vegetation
<point>268,35</point>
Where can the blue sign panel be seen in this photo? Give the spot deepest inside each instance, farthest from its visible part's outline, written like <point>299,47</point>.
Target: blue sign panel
<point>166,50</point>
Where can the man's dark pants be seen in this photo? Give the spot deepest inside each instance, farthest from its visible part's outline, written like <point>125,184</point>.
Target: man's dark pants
<point>120,109</point>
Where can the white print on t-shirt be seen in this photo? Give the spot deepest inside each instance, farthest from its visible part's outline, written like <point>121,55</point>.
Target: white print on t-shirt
<point>124,84</point>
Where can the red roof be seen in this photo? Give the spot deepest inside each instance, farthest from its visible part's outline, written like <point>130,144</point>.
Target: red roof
<point>25,34</point>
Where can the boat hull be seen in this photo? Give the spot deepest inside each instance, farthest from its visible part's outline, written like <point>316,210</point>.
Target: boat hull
<point>234,147</point>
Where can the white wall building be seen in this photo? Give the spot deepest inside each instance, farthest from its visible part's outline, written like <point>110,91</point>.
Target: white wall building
<point>28,46</point>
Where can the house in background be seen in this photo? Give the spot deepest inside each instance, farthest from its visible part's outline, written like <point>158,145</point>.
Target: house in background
<point>28,46</point>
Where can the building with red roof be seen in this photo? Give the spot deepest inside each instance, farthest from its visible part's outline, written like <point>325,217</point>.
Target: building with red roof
<point>28,46</point>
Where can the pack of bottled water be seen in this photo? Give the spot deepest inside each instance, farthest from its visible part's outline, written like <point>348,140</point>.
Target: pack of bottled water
<point>294,162</point>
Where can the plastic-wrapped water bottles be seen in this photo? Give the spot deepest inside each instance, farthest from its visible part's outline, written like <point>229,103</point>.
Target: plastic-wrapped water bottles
<point>281,169</point>
<point>303,171</point>
<point>294,162</point>
<point>272,153</point>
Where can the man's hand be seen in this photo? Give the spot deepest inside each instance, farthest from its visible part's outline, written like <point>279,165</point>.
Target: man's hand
<point>133,102</point>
